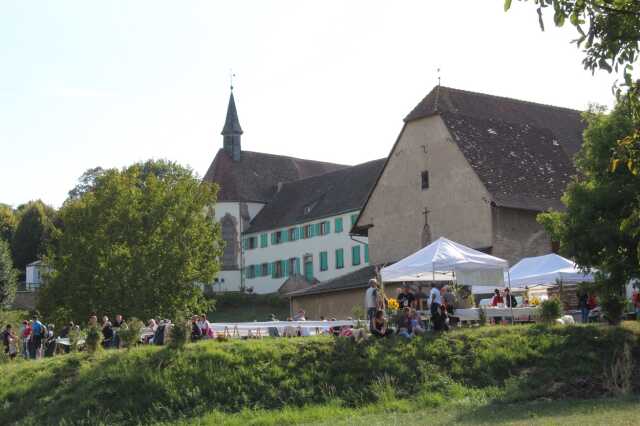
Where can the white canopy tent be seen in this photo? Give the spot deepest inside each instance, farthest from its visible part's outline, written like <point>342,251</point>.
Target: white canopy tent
<point>546,270</point>
<point>446,260</point>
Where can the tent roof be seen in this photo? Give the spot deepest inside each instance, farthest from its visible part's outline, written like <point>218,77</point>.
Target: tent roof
<point>546,270</point>
<point>442,256</point>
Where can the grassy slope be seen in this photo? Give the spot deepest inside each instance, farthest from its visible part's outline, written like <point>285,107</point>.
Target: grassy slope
<point>478,366</point>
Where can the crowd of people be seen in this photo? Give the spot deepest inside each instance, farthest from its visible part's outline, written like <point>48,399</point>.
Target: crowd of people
<point>34,339</point>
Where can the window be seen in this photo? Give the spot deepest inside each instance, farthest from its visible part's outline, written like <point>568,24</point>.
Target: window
<point>366,253</point>
<point>277,270</point>
<point>355,255</point>
<point>354,219</point>
<point>324,261</point>
<point>251,271</point>
<point>307,231</point>
<point>324,228</point>
<point>308,267</point>
<point>278,237</point>
<point>294,266</point>
<point>425,179</point>
<point>252,243</point>
<point>339,258</point>
<point>264,269</point>
<point>264,240</point>
<point>338,224</point>
<point>293,234</point>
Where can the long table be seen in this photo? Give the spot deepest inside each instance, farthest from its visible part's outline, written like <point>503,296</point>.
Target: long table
<point>242,329</point>
<point>528,313</point>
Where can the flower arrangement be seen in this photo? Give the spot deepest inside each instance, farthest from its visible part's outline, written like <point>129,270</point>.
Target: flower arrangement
<point>534,301</point>
<point>393,304</point>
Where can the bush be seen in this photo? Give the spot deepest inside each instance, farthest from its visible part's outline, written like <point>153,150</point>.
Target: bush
<point>130,335</point>
<point>93,339</point>
<point>550,310</point>
<point>180,333</point>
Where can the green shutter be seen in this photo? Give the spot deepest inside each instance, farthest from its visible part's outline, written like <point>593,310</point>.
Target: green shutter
<point>301,232</point>
<point>339,258</point>
<point>366,253</point>
<point>317,229</point>
<point>285,268</point>
<point>338,225</point>
<point>328,226</point>
<point>244,243</point>
<point>355,255</point>
<point>285,235</point>
<point>273,238</point>
<point>297,266</point>
<point>354,218</point>
<point>264,240</point>
<point>312,230</point>
<point>324,264</point>
<point>295,234</point>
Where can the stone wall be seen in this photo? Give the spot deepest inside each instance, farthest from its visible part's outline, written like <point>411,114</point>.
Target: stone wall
<point>516,234</point>
<point>25,300</point>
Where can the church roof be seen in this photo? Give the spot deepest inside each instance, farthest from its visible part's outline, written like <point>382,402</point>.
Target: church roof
<point>521,151</point>
<point>318,197</point>
<point>232,123</point>
<point>255,177</point>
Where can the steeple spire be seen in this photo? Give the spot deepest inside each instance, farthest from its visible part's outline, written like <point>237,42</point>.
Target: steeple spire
<point>232,131</point>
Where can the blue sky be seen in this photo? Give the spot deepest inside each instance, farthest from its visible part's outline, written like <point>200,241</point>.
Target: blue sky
<point>108,83</point>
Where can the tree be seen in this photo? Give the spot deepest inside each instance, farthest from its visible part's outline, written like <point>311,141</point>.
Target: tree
<point>601,227</point>
<point>8,275</point>
<point>34,233</point>
<point>86,182</point>
<point>135,242</point>
<point>8,222</point>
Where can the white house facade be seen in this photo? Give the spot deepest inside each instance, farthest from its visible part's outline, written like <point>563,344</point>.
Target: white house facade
<point>318,250</point>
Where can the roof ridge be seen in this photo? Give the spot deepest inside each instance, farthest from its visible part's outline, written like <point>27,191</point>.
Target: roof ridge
<point>469,92</point>
<point>324,175</point>
<point>293,158</point>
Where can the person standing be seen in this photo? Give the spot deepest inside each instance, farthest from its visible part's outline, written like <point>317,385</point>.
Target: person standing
<point>107,332</point>
<point>9,342</point>
<point>37,334</point>
<point>435,307</point>
<point>371,300</point>
<point>25,335</point>
<point>583,300</point>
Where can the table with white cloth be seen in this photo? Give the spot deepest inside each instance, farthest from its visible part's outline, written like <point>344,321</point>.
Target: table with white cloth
<point>522,314</point>
<point>261,329</point>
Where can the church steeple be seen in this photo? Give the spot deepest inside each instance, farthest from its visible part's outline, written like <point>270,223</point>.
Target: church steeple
<point>232,131</point>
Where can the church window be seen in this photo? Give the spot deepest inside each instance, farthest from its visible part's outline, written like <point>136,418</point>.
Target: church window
<point>425,179</point>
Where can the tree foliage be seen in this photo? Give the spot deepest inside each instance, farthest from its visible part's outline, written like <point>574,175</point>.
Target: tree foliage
<point>601,227</point>
<point>8,222</point>
<point>8,275</point>
<point>34,233</point>
<point>135,241</point>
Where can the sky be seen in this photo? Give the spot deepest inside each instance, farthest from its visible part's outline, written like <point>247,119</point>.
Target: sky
<point>109,83</point>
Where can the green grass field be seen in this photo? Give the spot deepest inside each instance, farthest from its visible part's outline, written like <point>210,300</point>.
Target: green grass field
<point>500,374</point>
<point>610,411</point>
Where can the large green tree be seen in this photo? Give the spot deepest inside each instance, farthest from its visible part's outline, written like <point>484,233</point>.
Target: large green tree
<point>135,241</point>
<point>8,275</point>
<point>601,226</point>
<point>34,233</point>
<point>8,222</point>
